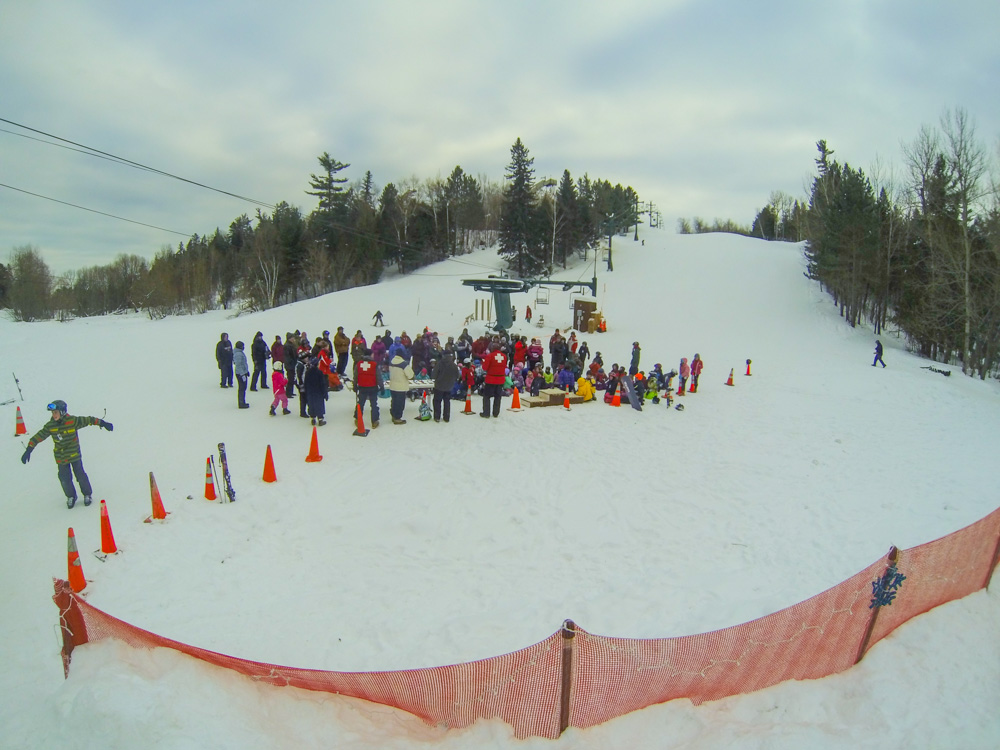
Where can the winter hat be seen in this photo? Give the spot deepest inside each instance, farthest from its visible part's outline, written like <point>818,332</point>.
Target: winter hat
<point>277,366</point>
<point>239,344</point>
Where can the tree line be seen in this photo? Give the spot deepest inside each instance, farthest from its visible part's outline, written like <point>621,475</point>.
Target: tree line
<point>353,234</point>
<point>918,251</point>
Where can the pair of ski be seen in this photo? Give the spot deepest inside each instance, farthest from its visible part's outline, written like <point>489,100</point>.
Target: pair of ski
<point>230,493</point>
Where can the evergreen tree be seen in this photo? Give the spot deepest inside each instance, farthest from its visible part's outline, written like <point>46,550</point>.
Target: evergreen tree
<point>521,233</point>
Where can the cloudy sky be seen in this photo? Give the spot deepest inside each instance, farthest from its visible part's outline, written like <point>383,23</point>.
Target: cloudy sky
<point>704,108</point>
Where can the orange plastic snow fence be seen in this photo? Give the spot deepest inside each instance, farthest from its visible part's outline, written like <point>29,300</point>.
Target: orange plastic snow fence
<point>578,679</point>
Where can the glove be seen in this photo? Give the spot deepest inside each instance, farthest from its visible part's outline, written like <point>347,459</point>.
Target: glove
<point>26,457</point>
<point>106,425</point>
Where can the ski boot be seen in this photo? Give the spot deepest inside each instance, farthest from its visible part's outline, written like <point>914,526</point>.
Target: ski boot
<point>70,502</point>
<point>87,499</point>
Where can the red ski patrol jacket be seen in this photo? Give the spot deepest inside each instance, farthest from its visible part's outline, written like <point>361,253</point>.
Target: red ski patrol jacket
<point>495,365</point>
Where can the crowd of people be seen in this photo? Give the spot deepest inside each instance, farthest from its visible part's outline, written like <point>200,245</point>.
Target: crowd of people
<point>442,368</point>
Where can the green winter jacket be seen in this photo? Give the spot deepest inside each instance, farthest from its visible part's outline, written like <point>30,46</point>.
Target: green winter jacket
<point>63,433</point>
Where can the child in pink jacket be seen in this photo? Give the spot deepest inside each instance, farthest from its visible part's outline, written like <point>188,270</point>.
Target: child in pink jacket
<point>278,383</point>
<point>685,373</point>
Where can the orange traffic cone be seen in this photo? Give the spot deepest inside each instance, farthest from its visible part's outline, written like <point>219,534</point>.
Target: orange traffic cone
<point>359,431</point>
<point>76,579</point>
<point>730,381</point>
<point>209,482</point>
<point>748,367</point>
<point>19,428</point>
<point>314,456</point>
<point>108,546</point>
<point>269,475</point>
<point>159,514</point>
<point>516,403</point>
<point>468,404</point>
<point>566,401</point>
<point>693,388</point>
<point>616,400</point>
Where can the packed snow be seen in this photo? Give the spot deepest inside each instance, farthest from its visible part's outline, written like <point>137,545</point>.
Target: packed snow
<point>429,543</point>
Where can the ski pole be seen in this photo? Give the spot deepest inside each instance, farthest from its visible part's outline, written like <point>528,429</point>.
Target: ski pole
<point>222,490</point>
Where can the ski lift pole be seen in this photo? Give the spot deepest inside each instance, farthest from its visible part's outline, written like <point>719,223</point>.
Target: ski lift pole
<point>18,384</point>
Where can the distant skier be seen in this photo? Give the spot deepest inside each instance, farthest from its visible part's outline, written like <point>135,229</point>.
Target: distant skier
<point>63,429</point>
<point>377,319</point>
<point>878,353</point>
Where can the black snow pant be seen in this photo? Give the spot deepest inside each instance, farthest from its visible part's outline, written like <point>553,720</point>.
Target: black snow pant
<point>259,369</point>
<point>442,398</point>
<point>66,472</point>
<point>491,391</point>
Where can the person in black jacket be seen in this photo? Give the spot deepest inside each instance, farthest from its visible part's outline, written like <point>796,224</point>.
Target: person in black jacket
<point>445,376</point>
<point>260,352</point>
<point>878,353</point>
<point>317,386</point>
<point>224,358</point>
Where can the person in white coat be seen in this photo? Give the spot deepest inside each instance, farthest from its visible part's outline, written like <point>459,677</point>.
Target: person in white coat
<point>400,375</point>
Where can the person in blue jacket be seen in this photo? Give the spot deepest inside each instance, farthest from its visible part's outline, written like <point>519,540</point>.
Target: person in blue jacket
<point>878,353</point>
<point>565,378</point>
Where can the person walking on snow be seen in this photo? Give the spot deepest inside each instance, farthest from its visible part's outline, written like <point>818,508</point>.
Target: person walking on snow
<point>377,319</point>
<point>63,430</point>
<point>242,370</point>
<point>878,353</point>
<point>278,384</point>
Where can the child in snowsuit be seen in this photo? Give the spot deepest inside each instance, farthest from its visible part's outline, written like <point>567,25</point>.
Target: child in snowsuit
<point>278,383</point>
<point>685,373</point>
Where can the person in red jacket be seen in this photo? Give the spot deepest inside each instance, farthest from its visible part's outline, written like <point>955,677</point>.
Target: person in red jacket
<point>495,366</point>
<point>696,365</point>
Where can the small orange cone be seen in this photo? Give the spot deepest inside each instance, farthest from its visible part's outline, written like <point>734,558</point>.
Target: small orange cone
<point>19,428</point>
<point>159,514</point>
<point>616,400</point>
<point>269,475</point>
<point>730,381</point>
<point>209,482</point>
<point>468,404</point>
<point>359,431</point>
<point>566,401</point>
<point>314,456</point>
<point>76,579</point>
<point>516,403</point>
<point>108,546</point>
<point>748,367</point>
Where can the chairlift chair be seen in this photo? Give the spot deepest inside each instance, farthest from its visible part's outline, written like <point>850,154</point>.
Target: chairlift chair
<point>541,296</point>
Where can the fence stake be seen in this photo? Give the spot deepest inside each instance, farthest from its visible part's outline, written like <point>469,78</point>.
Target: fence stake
<point>993,564</point>
<point>891,560</point>
<point>568,633</point>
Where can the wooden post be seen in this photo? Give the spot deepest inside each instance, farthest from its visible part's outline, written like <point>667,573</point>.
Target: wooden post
<point>566,686</point>
<point>891,560</point>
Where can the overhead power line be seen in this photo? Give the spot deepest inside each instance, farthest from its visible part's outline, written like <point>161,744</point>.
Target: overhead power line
<point>89,150</point>
<point>95,211</point>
